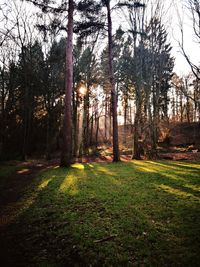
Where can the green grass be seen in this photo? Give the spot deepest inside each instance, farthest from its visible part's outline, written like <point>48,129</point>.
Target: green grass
<point>149,211</point>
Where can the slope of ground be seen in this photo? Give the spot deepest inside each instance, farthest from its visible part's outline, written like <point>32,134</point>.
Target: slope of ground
<point>138,213</point>
<point>184,134</point>
<point>178,134</point>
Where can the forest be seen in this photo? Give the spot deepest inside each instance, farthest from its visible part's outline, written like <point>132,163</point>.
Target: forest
<point>128,82</point>
<point>99,133</point>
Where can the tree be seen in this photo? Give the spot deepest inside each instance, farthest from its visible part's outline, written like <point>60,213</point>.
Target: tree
<point>194,9</point>
<point>137,31</point>
<point>86,26</point>
<point>52,92</point>
<point>66,153</point>
<point>116,156</point>
<point>187,95</point>
<point>158,74</point>
<point>125,73</point>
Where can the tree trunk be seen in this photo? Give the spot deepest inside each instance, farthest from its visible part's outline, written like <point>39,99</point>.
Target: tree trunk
<point>26,109</point>
<point>116,156</point>
<point>188,109</point>
<point>97,130</point>
<point>66,153</point>
<point>136,137</point>
<point>75,123</point>
<point>85,134</point>
<point>48,154</point>
<point>91,129</point>
<point>125,117</point>
<point>154,122</point>
<point>110,124</point>
<point>105,120</point>
<point>2,114</point>
<point>181,107</point>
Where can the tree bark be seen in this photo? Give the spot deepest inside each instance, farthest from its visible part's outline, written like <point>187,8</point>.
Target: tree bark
<point>116,156</point>
<point>66,153</point>
<point>75,119</point>
<point>97,130</point>
<point>105,120</point>
<point>2,114</point>
<point>125,117</point>
<point>85,134</point>
<point>136,136</point>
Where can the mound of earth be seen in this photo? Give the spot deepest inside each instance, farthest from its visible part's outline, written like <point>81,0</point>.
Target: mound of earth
<point>184,134</point>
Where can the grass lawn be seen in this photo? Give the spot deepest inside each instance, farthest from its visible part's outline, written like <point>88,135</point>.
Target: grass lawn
<point>138,213</point>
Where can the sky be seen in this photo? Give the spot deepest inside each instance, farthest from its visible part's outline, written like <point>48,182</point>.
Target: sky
<point>192,48</point>
<point>173,10</point>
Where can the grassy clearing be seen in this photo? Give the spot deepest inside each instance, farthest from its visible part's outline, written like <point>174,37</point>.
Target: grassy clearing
<point>140,213</point>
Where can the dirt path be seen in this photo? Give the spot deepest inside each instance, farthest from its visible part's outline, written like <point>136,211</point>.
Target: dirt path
<point>191,156</point>
<point>176,156</point>
<point>16,186</point>
<point>11,204</point>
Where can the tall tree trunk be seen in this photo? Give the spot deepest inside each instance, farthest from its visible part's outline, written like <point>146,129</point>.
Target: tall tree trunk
<point>75,123</point>
<point>110,124</point>
<point>105,120</point>
<point>125,117</point>
<point>66,153</point>
<point>188,109</point>
<point>136,136</point>
<point>2,114</point>
<point>48,155</point>
<point>116,156</point>
<point>91,129</point>
<point>26,108</point>
<point>97,130</point>
<point>131,114</point>
<point>181,107</point>
<point>25,122</point>
<point>176,105</point>
<point>154,123</point>
<point>85,135</point>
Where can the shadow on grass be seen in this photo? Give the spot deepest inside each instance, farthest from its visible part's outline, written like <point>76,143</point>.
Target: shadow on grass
<point>146,208</point>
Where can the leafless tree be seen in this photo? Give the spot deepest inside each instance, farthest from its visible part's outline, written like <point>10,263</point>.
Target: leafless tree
<point>193,6</point>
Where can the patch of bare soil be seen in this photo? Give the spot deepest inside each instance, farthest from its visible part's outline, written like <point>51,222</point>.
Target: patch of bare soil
<point>181,156</point>
<point>16,187</point>
<point>175,155</point>
<point>107,158</point>
<point>17,184</point>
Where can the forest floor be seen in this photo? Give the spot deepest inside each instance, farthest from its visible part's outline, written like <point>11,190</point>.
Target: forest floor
<point>132,213</point>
